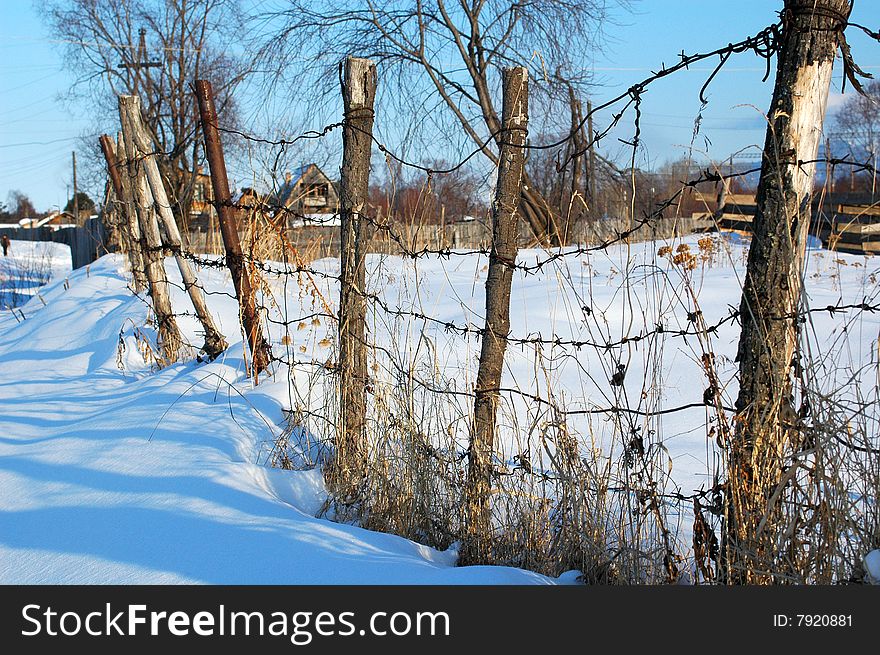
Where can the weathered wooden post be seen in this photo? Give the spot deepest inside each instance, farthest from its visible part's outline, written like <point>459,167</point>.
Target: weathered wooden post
<point>767,431</point>
<point>358,94</point>
<point>109,152</point>
<point>154,260</point>
<point>112,156</point>
<point>250,320</point>
<point>214,341</point>
<point>137,237</point>
<point>114,238</point>
<point>502,259</point>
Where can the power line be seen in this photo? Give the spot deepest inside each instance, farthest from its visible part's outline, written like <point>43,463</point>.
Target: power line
<point>93,44</point>
<point>37,143</point>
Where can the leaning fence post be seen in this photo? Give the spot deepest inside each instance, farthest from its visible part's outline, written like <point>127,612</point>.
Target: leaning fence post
<point>502,260</point>
<point>140,274</point>
<point>169,334</point>
<point>214,341</point>
<point>260,351</point>
<point>358,95</point>
<point>114,201</point>
<point>113,158</point>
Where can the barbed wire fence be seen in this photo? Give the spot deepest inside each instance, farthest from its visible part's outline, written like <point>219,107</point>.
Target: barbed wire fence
<point>574,476</point>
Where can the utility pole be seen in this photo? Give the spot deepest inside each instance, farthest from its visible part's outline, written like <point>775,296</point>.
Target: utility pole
<point>75,199</point>
<point>140,60</point>
<point>592,142</point>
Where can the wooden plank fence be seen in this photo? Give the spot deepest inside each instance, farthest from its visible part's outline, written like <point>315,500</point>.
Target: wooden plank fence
<point>86,242</point>
<point>323,240</point>
<point>846,222</point>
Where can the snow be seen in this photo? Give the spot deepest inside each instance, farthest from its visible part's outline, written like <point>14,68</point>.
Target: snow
<point>113,472</point>
<point>316,220</point>
<point>872,566</point>
<point>111,476</point>
<point>28,266</point>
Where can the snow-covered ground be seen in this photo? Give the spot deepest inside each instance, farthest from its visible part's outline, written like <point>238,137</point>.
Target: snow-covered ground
<point>112,476</point>
<point>111,472</point>
<point>28,266</point>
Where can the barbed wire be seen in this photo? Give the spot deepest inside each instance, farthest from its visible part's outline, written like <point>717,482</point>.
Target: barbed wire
<point>694,328</point>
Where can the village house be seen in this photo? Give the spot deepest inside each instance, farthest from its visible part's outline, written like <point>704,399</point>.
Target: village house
<point>201,207</point>
<point>55,220</point>
<point>307,193</point>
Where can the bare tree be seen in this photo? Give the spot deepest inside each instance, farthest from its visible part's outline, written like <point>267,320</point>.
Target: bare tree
<point>418,198</point>
<point>448,55</point>
<point>587,188</point>
<point>19,207</point>
<point>153,49</point>
<point>857,124</point>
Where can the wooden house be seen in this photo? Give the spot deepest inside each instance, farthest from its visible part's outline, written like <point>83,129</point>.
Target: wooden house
<point>202,214</point>
<point>306,191</point>
<point>55,220</point>
<point>203,197</point>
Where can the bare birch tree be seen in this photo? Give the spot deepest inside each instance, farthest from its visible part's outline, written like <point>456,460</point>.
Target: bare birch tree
<point>768,428</point>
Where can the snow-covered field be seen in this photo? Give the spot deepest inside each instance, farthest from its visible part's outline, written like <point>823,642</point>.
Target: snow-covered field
<point>112,472</point>
<point>112,476</point>
<point>28,266</point>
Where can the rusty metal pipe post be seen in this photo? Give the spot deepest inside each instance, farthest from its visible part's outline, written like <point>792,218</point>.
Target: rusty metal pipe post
<point>259,346</point>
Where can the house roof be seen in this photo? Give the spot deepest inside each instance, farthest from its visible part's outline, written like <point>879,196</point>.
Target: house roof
<point>244,192</point>
<point>40,222</point>
<point>287,187</point>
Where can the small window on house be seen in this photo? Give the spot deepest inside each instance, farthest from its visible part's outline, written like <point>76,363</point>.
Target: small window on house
<point>316,190</point>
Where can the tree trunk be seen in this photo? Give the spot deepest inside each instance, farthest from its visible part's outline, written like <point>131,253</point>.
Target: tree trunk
<point>591,175</point>
<point>359,94</point>
<point>154,261</point>
<point>539,215</point>
<point>767,431</point>
<point>508,194</point>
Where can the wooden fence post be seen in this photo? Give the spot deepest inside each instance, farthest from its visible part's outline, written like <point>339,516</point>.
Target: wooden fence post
<point>260,351</point>
<point>137,238</point>
<point>114,201</point>
<point>502,258</point>
<point>358,95</point>
<point>128,222</point>
<point>154,259</point>
<point>214,341</point>
<point>766,434</point>
<point>113,240</point>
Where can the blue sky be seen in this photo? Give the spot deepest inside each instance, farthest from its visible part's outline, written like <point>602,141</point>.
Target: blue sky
<point>659,29</point>
<point>31,80</point>
<point>38,130</point>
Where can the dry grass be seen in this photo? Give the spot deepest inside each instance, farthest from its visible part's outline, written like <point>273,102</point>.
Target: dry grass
<point>564,499</point>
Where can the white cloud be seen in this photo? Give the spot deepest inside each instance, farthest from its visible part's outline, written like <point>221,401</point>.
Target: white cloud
<point>836,100</point>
